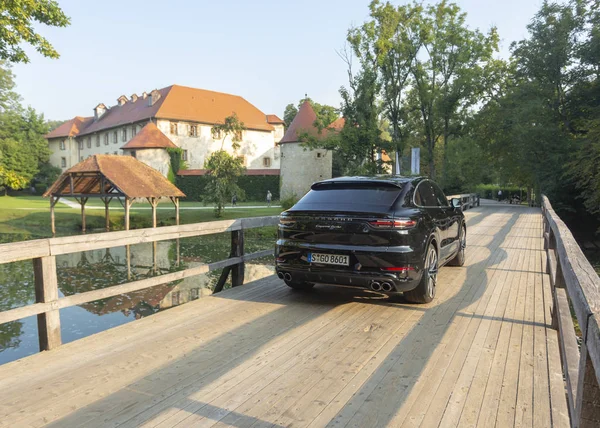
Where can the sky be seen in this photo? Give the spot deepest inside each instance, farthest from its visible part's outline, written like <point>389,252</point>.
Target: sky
<point>271,52</point>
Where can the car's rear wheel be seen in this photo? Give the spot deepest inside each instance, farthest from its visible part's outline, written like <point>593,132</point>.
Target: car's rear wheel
<point>425,291</point>
<point>299,285</point>
<point>459,259</point>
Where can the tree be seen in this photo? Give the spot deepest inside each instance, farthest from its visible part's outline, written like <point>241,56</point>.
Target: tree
<point>9,99</point>
<point>223,172</point>
<point>231,126</point>
<point>18,20</point>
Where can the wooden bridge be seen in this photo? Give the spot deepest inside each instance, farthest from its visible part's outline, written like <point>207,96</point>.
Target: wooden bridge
<point>485,352</point>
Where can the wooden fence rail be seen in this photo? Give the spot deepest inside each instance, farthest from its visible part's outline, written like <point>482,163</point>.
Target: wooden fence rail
<point>574,280</point>
<point>43,253</point>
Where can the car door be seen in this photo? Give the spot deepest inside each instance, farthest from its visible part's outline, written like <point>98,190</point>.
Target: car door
<point>427,201</point>
<point>453,219</point>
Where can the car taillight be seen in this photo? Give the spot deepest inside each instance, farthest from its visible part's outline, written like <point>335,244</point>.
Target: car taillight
<point>397,269</point>
<point>286,221</point>
<point>398,223</point>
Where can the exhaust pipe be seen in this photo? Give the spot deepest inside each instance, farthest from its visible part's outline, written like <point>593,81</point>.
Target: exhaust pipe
<point>280,275</point>
<point>386,286</point>
<point>375,286</point>
<point>287,276</point>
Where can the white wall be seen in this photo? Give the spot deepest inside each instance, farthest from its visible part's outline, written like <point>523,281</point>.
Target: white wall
<point>155,158</point>
<point>301,168</point>
<point>255,145</point>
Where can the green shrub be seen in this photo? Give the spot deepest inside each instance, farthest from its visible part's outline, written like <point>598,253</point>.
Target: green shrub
<point>254,186</point>
<point>289,202</point>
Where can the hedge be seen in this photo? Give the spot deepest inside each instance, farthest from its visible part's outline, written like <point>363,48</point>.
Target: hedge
<point>255,186</point>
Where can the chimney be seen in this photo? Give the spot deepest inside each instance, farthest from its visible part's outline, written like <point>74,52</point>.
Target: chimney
<point>99,111</point>
<point>154,97</point>
<point>134,98</point>
<point>121,100</point>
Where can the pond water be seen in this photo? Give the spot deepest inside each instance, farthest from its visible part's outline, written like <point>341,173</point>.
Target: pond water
<point>92,270</point>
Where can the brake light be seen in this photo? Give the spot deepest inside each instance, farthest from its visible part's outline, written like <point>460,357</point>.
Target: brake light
<point>397,269</point>
<point>286,221</point>
<point>398,223</point>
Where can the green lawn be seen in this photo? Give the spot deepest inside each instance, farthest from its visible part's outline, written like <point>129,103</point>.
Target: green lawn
<point>31,215</point>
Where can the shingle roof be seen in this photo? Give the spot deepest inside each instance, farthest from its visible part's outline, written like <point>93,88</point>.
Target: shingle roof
<point>70,128</point>
<point>133,178</point>
<point>176,103</point>
<point>150,137</point>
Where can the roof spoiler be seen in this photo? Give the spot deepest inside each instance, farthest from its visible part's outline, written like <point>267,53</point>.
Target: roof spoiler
<point>332,184</point>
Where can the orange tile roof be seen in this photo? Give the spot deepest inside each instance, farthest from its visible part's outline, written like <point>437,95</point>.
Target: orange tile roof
<point>175,103</point>
<point>133,178</point>
<point>337,124</point>
<point>303,123</point>
<point>274,119</point>
<point>150,137</point>
<point>70,128</point>
<point>200,105</point>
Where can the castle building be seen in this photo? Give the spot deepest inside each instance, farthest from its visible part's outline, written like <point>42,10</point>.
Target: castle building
<point>146,125</point>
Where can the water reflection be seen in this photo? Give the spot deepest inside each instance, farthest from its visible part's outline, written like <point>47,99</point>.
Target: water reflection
<point>98,269</point>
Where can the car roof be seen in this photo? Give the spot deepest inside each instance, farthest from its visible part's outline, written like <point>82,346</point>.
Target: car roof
<point>396,180</point>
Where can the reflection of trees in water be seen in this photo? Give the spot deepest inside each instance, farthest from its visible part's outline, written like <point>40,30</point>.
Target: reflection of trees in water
<point>16,290</point>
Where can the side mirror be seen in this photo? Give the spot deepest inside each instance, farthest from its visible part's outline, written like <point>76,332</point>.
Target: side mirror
<point>455,202</point>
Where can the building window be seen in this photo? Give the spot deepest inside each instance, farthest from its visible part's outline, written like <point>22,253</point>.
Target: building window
<point>184,155</point>
<point>89,143</point>
<point>106,139</point>
<point>175,298</point>
<point>194,293</point>
<point>133,154</point>
<point>97,140</point>
<point>216,134</point>
<point>267,162</point>
<point>124,135</point>
<point>62,145</point>
<point>239,135</point>
<point>80,145</point>
<point>115,137</point>
<point>63,162</point>
<point>174,128</point>
<point>193,131</point>
<point>319,154</point>
<point>133,131</point>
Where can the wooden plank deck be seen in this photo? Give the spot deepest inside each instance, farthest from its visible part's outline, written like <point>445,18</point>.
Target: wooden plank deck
<point>481,354</point>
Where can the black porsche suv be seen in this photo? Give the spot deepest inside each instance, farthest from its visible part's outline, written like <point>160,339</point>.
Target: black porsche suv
<point>388,234</point>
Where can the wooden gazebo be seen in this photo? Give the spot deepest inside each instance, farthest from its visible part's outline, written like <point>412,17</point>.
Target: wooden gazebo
<point>111,176</point>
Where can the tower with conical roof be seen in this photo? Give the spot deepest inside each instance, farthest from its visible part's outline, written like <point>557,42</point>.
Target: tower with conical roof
<point>301,167</point>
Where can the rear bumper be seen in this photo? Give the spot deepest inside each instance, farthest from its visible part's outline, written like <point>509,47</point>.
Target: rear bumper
<point>366,265</point>
<point>351,279</point>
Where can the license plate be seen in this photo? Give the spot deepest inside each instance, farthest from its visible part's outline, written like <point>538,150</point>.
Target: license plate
<point>329,259</point>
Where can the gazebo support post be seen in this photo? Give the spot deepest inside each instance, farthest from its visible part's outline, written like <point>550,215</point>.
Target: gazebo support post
<point>127,205</point>
<point>128,257</point>
<point>106,212</point>
<point>154,203</point>
<point>83,201</point>
<point>53,201</point>
<point>175,201</point>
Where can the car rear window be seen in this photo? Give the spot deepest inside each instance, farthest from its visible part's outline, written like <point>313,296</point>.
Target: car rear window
<point>357,197</point>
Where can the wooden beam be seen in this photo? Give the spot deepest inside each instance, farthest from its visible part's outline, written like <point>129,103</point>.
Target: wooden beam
<point>237,250</point>
<point>46,291</point>
<point>154,203</point>
<point>52,221</point>
<point>83,202</point>
<point>127,213</point>
<point>106,212</point>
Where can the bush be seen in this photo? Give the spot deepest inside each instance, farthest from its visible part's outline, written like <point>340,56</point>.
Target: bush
<point>289,202</point>
<point>254,186</point>
<point>490,191</point>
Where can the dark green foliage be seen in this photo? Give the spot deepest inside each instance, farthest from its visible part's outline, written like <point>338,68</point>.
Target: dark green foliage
<point>254,186</point>
<point>223,172</point>
<point>176,163</point>
<point>46,176</point>
<point>289,202</point>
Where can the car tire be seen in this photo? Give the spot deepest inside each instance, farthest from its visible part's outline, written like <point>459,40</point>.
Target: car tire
<point>459,259</point>
<point>425,291</point>
<point>299,285</point>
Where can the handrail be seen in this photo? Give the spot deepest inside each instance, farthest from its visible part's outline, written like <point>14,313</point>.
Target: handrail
<point>43,253</point>
<point>574,280</point>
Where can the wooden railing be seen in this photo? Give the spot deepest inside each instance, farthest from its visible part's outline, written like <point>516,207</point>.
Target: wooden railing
<point>43,252</point>
<point>574,280</point>
<point>468,200</point>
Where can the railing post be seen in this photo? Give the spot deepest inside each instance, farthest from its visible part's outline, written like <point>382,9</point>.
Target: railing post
<point>46,290</point>
<point>587,407</point>
<point>237,250</point>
